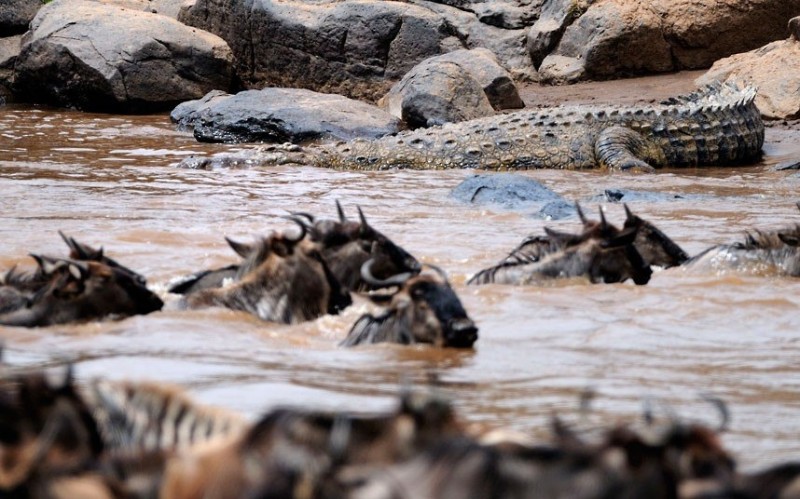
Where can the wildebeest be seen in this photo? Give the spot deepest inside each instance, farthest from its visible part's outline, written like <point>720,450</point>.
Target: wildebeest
<point>775,252</point>
<point>600,253</point>
<point>64,290</point>
<point>282,278</point>
<point>296,453</point>
<point>344,244</point>
<point>423,309</point>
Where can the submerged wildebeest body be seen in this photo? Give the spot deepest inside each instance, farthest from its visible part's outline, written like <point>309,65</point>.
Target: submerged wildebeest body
<point>424,309</point>
<point>71,291</point>
<point>761,253</point>
<point>295,452</point>
<point>344,245</point>
<point>281,279</point>
<point>602,253</point>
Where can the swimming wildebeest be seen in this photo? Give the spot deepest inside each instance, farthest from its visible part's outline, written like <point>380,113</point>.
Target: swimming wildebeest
<point>64,290</point>
<point>600,253</point>
<point>344,245</point>
<point>282,278</point>
<point>296,452</point>
<point>774,252</point>
<point>423,309</point>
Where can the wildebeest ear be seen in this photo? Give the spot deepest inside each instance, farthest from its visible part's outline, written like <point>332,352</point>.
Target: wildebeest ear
<point>790,239</point>
<point>630,218</point>
<point>241,249</point>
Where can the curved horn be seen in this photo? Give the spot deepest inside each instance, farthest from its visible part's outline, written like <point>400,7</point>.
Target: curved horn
<point>725,415</point>
<point>340,211</point>
<point>303,229</point>
<point>438,270</point>
<point>395,280</point>
<point>581,215</point>
<point>303,214</point>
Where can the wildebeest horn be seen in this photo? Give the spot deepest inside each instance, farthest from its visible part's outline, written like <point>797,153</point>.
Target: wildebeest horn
<point>364,224</point>
<point>340,211</point>
<point>438,270</point>
<point>81,251</point>
<point>725,415</point>
<point>303,214</point>
<point>603,221</point>
<point>395,280</point>
<point>581,215</point>
<point>629,214</point>
<point>303,229</point>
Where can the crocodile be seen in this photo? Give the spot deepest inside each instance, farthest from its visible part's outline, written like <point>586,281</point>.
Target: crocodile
<point>716,125</point>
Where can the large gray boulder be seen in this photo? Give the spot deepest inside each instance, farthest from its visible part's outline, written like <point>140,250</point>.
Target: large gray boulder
<point>16,14</point>
<point>282,115</point>
<point>9,50</point>
<point>616,37</point>
<point>104,57</point>
<point>457,86</point>
<point>773,68</point>
<point>358,48</point>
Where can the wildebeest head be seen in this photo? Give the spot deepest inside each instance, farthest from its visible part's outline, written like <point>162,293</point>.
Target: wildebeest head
<point>654,246</point>
<point>424,309</point>
<point>347,244</point>
<point>82,290</point>
<point>45,428</point>
<point>84,252</point>
<point>282,278</point>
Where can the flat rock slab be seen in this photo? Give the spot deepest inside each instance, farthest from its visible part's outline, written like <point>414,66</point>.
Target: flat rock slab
<point>282,115</point>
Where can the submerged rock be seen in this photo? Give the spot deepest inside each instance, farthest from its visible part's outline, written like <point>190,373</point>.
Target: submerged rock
<point>506,190</point>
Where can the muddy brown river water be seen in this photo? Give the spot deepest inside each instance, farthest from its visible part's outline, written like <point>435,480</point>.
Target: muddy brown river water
<point>109,180</point>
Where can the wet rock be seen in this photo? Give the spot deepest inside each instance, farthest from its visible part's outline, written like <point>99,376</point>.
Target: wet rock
<point>107,58</point>
<point>9,50</point>
<point>787,165</point>
<point>15,15</point>
<point>773,68</point>
<point>618,37</point>
<point>282,115</point>
<point>629,195</point>
<point>506,190</point>
<point>557,210</point>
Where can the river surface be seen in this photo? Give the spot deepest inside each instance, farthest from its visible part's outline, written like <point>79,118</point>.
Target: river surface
<point>110,180</point>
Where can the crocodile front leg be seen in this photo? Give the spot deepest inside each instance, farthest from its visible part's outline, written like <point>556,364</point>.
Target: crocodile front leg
<point>621,148</point>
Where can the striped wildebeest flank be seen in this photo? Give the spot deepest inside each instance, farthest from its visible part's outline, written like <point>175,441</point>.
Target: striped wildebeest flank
<point>601,253</point>
<point>763,252</point>
<point>297,452</point>
<point>47,432</point>
<point>147,417</point>
<point>423,309</point>
<point>282,278</point>
<point>63,291</point>
<point>344,244</point>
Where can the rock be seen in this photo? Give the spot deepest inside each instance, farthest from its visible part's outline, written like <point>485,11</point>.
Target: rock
<point>630,195</point>
<point>103,57</point>
<point>282,115</point>
<point>15,15</point>
<point>774,69</point>
<point>169,8</point>
<point>9,50</point>
<point>186,113</point>
<point>436,93</point>
<point>505,14</point>
<point>546,32</point>
<point>457,86</point>
<point>507,190</point>
<point>620,37</point>
<point>557,210</point>
<point>357,48</point>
